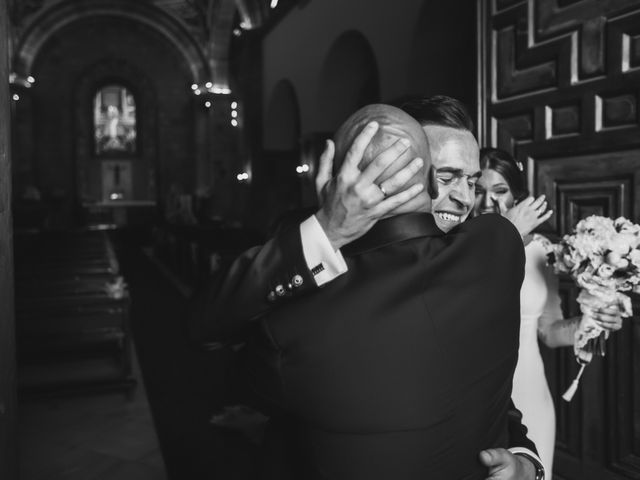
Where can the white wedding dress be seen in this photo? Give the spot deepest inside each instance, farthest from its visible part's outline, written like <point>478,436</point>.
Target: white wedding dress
<point>538,299</point>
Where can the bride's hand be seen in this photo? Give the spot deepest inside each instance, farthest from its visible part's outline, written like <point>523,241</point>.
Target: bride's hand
<point>608,317</point>
<point>528,214</point>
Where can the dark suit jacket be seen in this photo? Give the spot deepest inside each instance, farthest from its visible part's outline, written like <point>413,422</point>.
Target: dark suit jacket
<point>401,368</point>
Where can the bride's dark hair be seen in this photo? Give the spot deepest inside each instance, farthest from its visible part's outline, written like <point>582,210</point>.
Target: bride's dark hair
<point>503,163</point>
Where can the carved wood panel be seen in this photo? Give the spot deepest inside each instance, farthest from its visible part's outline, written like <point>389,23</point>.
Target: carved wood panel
<point>560,89</point>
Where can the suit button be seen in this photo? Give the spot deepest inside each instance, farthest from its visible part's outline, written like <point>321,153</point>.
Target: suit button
<point>271,296</point>
<point>297,280</point>
<point>280,291</point>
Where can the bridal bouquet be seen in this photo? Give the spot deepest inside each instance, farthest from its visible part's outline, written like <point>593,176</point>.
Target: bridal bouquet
<point>117,288</point>
<point>603,257</point>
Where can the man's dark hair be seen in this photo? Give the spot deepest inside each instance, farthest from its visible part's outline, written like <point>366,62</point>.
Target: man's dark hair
<point>437,110</point>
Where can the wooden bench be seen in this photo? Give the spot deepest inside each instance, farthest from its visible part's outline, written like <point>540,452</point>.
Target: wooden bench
<point>72,329</point>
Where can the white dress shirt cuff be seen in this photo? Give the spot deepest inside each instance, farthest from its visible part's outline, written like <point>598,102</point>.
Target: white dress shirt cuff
<point>515,450</point>
<point>323,261</point>
<point>526,451</point>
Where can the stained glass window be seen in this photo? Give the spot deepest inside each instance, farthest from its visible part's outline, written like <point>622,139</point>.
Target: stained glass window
<point>114,116</point>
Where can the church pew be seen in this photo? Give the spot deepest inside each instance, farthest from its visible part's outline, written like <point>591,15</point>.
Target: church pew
<point>72,329</point>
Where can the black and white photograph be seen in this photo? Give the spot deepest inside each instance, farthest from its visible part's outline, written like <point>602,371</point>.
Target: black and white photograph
<point>319,240</point>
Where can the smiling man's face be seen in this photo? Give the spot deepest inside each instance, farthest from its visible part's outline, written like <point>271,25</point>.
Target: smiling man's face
<point>455,157</point>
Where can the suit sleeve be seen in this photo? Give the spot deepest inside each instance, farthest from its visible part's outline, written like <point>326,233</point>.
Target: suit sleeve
<point>502,245</point>
<point>266,277</point>
<point>518,439</point>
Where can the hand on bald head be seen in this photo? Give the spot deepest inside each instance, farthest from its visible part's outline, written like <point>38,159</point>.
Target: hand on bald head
<point>394,125</point>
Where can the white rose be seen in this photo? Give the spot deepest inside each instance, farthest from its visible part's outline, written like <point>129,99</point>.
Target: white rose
<point>624,225</point>
<point>616,260</point>
<point>634,257</point>
<point>605,270</point>
<point>620,244</point>
<point>596,224</point>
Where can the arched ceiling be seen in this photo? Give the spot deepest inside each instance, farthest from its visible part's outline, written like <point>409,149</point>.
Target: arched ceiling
<point>200,29</point>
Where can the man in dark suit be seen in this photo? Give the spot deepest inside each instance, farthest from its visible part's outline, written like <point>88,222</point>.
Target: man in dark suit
<point>400,367</point>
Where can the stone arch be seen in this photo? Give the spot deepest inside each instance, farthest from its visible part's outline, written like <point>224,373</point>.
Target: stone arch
<point>62,14</point>
<point>282,122</point>
<point>349,79</point>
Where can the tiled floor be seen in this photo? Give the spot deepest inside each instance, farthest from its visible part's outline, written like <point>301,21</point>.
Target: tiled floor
<point>103,436</point>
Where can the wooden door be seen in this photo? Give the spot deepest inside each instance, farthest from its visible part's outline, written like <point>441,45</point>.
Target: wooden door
<point>8,421</point>
<point>560,88</point>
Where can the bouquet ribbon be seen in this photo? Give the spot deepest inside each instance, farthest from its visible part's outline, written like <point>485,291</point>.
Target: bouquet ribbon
<point>590,336</point>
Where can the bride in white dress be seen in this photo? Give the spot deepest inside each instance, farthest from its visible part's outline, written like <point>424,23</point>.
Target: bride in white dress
<point>501,189</point>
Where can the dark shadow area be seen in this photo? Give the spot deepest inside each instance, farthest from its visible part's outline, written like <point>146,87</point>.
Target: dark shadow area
<point>186,384</point>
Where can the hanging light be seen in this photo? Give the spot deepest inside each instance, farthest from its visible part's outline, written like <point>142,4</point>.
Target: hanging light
<point>210,87</point>
<point>20,81</point>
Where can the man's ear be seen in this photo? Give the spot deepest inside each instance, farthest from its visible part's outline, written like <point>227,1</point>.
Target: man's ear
<point>433,183</point>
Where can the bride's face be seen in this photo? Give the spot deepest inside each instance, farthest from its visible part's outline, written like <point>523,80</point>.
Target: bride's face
<point>492,191</point>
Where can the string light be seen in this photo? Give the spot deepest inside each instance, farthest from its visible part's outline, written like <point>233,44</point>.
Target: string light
<point>242,177</point>
<point>16,97</point>
<point>304,168</point>
<point>274,3</point>
<point>207,104</point>
<point>20,81</point>
<point>234,114</point>
<point>210,87</point>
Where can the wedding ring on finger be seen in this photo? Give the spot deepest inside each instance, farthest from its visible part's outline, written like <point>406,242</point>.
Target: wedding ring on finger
<point>384,192</point>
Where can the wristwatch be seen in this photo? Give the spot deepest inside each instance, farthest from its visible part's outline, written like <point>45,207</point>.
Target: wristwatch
<point>536,463</point>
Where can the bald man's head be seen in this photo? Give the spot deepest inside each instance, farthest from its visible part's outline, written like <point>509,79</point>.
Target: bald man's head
<point>394,125</point>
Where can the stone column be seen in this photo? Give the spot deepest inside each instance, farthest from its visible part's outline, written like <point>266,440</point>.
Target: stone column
<point>8,419</point>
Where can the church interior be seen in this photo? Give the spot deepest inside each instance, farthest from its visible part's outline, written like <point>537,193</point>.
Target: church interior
<point>144,145</point>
